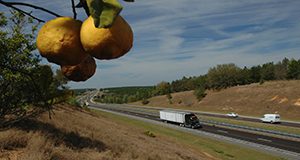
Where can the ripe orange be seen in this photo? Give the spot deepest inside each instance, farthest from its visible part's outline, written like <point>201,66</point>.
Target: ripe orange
<point>59,41</point>
<point>106,43</point>
<point>80,72</point>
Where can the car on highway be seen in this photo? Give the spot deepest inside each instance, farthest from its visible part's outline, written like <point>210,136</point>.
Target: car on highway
<point>232,114</point>
<point>271,118</point>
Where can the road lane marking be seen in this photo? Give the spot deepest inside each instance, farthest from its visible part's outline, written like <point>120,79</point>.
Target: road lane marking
<point>262,139</point>
<point>222,131</point>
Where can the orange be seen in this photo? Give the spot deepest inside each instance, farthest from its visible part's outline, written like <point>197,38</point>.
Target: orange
<point>59,41</point>
<point>106,43</point>
<point>80,72</point>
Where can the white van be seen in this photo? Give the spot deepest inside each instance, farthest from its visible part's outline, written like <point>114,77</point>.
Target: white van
<point>271,118</point>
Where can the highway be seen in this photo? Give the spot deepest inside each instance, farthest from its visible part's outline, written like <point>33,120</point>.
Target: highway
<point>242,118</point>
<point>288,148</point>
<point>276,142</point>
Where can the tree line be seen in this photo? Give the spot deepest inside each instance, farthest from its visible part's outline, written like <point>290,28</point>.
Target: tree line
<point>228,75</point>
<point>219,77</point>
<point>125,94</point>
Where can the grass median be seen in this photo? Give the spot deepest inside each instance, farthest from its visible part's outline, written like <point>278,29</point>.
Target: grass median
<point>215,148</point>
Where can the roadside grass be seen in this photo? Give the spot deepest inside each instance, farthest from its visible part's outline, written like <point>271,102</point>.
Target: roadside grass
<point>268,126</point>
<point>219,149</point>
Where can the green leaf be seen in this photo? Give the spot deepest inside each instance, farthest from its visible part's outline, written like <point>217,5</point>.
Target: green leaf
<point>104,12</point>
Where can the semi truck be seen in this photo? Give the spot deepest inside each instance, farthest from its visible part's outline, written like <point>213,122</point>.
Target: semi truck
<point>185,119</point>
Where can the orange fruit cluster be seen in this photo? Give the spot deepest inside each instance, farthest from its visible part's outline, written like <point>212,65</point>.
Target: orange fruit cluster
<point>73,45</point>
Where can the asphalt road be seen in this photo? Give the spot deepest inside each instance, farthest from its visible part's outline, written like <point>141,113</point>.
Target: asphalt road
<point>275,142</point>
<point>242,118</point>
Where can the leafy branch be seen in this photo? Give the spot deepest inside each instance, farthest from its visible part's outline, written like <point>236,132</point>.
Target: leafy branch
<point>12,5</point>
<point>104,12</point>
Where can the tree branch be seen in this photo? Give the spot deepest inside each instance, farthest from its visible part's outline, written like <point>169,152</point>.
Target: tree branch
<point>74,10</point>
<point>11,5</point>
<point>83,4</point>
<point>26,13</point>
<point>32,6</point>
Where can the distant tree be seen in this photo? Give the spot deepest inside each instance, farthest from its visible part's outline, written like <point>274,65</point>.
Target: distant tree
<point>294,69</point>
<point>200,81</point>
<point>162,88</point>
<point>223,76</point>
<point>268,71</point>
<point>280,70</point>
<point>244,77</point>
<point>255,75</point>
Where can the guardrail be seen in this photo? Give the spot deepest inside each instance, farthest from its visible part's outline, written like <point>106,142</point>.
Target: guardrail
<point>250,128</point>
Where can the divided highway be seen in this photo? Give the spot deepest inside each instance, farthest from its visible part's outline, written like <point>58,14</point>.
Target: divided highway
<point>242,118</point>
<point>285,144</point>
<point>284,147</point>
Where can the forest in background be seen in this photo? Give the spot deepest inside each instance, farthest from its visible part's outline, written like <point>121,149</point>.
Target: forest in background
<point>219,77</point>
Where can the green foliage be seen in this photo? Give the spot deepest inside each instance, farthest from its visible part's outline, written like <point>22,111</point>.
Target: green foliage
<point>254,74</point>
<point>104,12</point>
<point>294,69</point>
<point>219,77</point>
<point>223,76</point>
<point>162,88</point>
<point>150,134</point>
<point>145,101</point>
<point>73,101</point>
<point>23,81</point>
<point>169,96</point>
<point>281,69</point>
<point>78,92</point>
<point>125,94</point>
<point>262,81</point>
<point>200,93</point>
<point>267,71</point>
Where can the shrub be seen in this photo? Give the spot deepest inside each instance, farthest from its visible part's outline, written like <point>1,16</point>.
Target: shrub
<point>150,134</point>
<point>200,93</point>
<point>72,101</point>
<point>145,101</point>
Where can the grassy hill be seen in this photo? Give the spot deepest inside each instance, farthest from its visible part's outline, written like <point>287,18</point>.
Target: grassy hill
<point>281,97</point>
<point>77,134</point>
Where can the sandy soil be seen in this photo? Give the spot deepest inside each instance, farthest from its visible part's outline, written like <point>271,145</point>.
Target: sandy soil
<point>281,97</point>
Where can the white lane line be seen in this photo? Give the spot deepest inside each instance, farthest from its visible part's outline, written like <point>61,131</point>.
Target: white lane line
<point>222,131</point>
<point>262,139</point>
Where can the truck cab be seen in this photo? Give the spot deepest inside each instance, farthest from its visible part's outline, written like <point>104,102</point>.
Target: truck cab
<point>192,121</point>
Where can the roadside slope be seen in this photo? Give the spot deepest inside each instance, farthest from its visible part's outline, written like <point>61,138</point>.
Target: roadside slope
<point>281,97</point>
<point>77,134</point>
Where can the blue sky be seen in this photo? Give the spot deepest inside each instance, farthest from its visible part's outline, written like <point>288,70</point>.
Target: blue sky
<point>176,38</point>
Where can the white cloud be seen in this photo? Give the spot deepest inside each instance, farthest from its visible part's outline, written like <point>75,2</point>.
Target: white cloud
<point>175,38</point>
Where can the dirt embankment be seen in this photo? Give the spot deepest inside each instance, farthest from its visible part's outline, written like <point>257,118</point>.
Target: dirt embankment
<point>281,97</point>
<point>80,135</point>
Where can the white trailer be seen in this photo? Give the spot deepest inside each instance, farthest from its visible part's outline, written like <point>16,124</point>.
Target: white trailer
<point>271,118</point>
<point>182,118</point>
